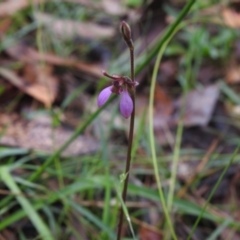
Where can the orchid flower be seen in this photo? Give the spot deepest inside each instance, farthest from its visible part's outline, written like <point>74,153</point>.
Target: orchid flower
<point>121,86</point>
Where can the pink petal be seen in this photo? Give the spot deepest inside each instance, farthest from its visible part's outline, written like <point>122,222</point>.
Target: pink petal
<point>104,96</point>
<point>126,104</point>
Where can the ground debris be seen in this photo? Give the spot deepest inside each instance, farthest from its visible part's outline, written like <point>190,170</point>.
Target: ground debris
<point>11,7</point>
<point>68,29</point>
<point>39,135</point>
<point>38,82</point>
<point>200,104</point>
<point>27,54</point>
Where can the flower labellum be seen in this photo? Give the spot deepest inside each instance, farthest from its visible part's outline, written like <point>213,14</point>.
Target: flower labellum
<point>104,96</point>
<point>126,104</point>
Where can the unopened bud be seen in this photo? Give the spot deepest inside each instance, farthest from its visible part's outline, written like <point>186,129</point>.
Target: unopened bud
<point>126,33</point>
<point>125,30</point>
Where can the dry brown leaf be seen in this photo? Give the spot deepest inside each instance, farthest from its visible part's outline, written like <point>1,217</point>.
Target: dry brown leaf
<point>30,55</point>
<point>228,17</point>
<point>11,7</point>
<point>39,135</point>
<point>41,93</point>
<point>68,29</point>
<point>200,104</point>
<point>231,18</point>
<point>43,87</point>
<point>43,84</point>
<point>233,74</point>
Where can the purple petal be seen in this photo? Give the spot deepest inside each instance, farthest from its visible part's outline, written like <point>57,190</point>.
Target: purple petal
<point>126,104</point>
<point>104,96</point>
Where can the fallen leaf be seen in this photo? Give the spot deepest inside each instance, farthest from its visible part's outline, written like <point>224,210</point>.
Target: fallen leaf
<point>199,106</point>
<point>69,29</point>
<point>11,7</point>
<point>43,86</point>
<point>223,15</point>
<point>39,135</point>
<point>233,73</point>
<point>29,55</point>
<point>43,82</point>
<point>231,18</point>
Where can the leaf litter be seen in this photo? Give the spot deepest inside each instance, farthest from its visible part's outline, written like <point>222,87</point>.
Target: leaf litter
<point>68,29</point>
<point>37,82</point>
<point>39,135</point>
<point>27,54</point>
<point>199,105</point>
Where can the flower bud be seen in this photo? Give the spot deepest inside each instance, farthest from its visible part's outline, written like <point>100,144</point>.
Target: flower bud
<point>126,33</point>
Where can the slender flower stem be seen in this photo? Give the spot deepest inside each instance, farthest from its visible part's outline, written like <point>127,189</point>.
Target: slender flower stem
<point>130,140</point>
<point>132,64</point>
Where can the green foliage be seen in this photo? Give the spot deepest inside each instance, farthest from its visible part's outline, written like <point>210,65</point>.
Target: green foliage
<point>133,3</point>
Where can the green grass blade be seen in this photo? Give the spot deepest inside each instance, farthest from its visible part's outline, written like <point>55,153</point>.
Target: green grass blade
<point>234,97</point>
<point>97,182</point>
<point>219,230</point>
<point>170,30</point>
<point>152,143</point>
<point>79,185</point>
<point>6,152</point>
<point>91,217</point>
<point>125,210</point>
<point>183,206</point>
<point>26,205</point>
<point>213,191</point>
<point>73,95</point>
<point>77,132</point>
<point>176,155</point>
<point>160,47</point>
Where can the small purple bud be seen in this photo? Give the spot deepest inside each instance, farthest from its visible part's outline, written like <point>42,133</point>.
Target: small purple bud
<point>104,96</point>
<point>126,104</point>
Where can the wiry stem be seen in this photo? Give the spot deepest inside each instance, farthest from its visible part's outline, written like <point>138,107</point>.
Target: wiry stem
<point>128,40</point>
